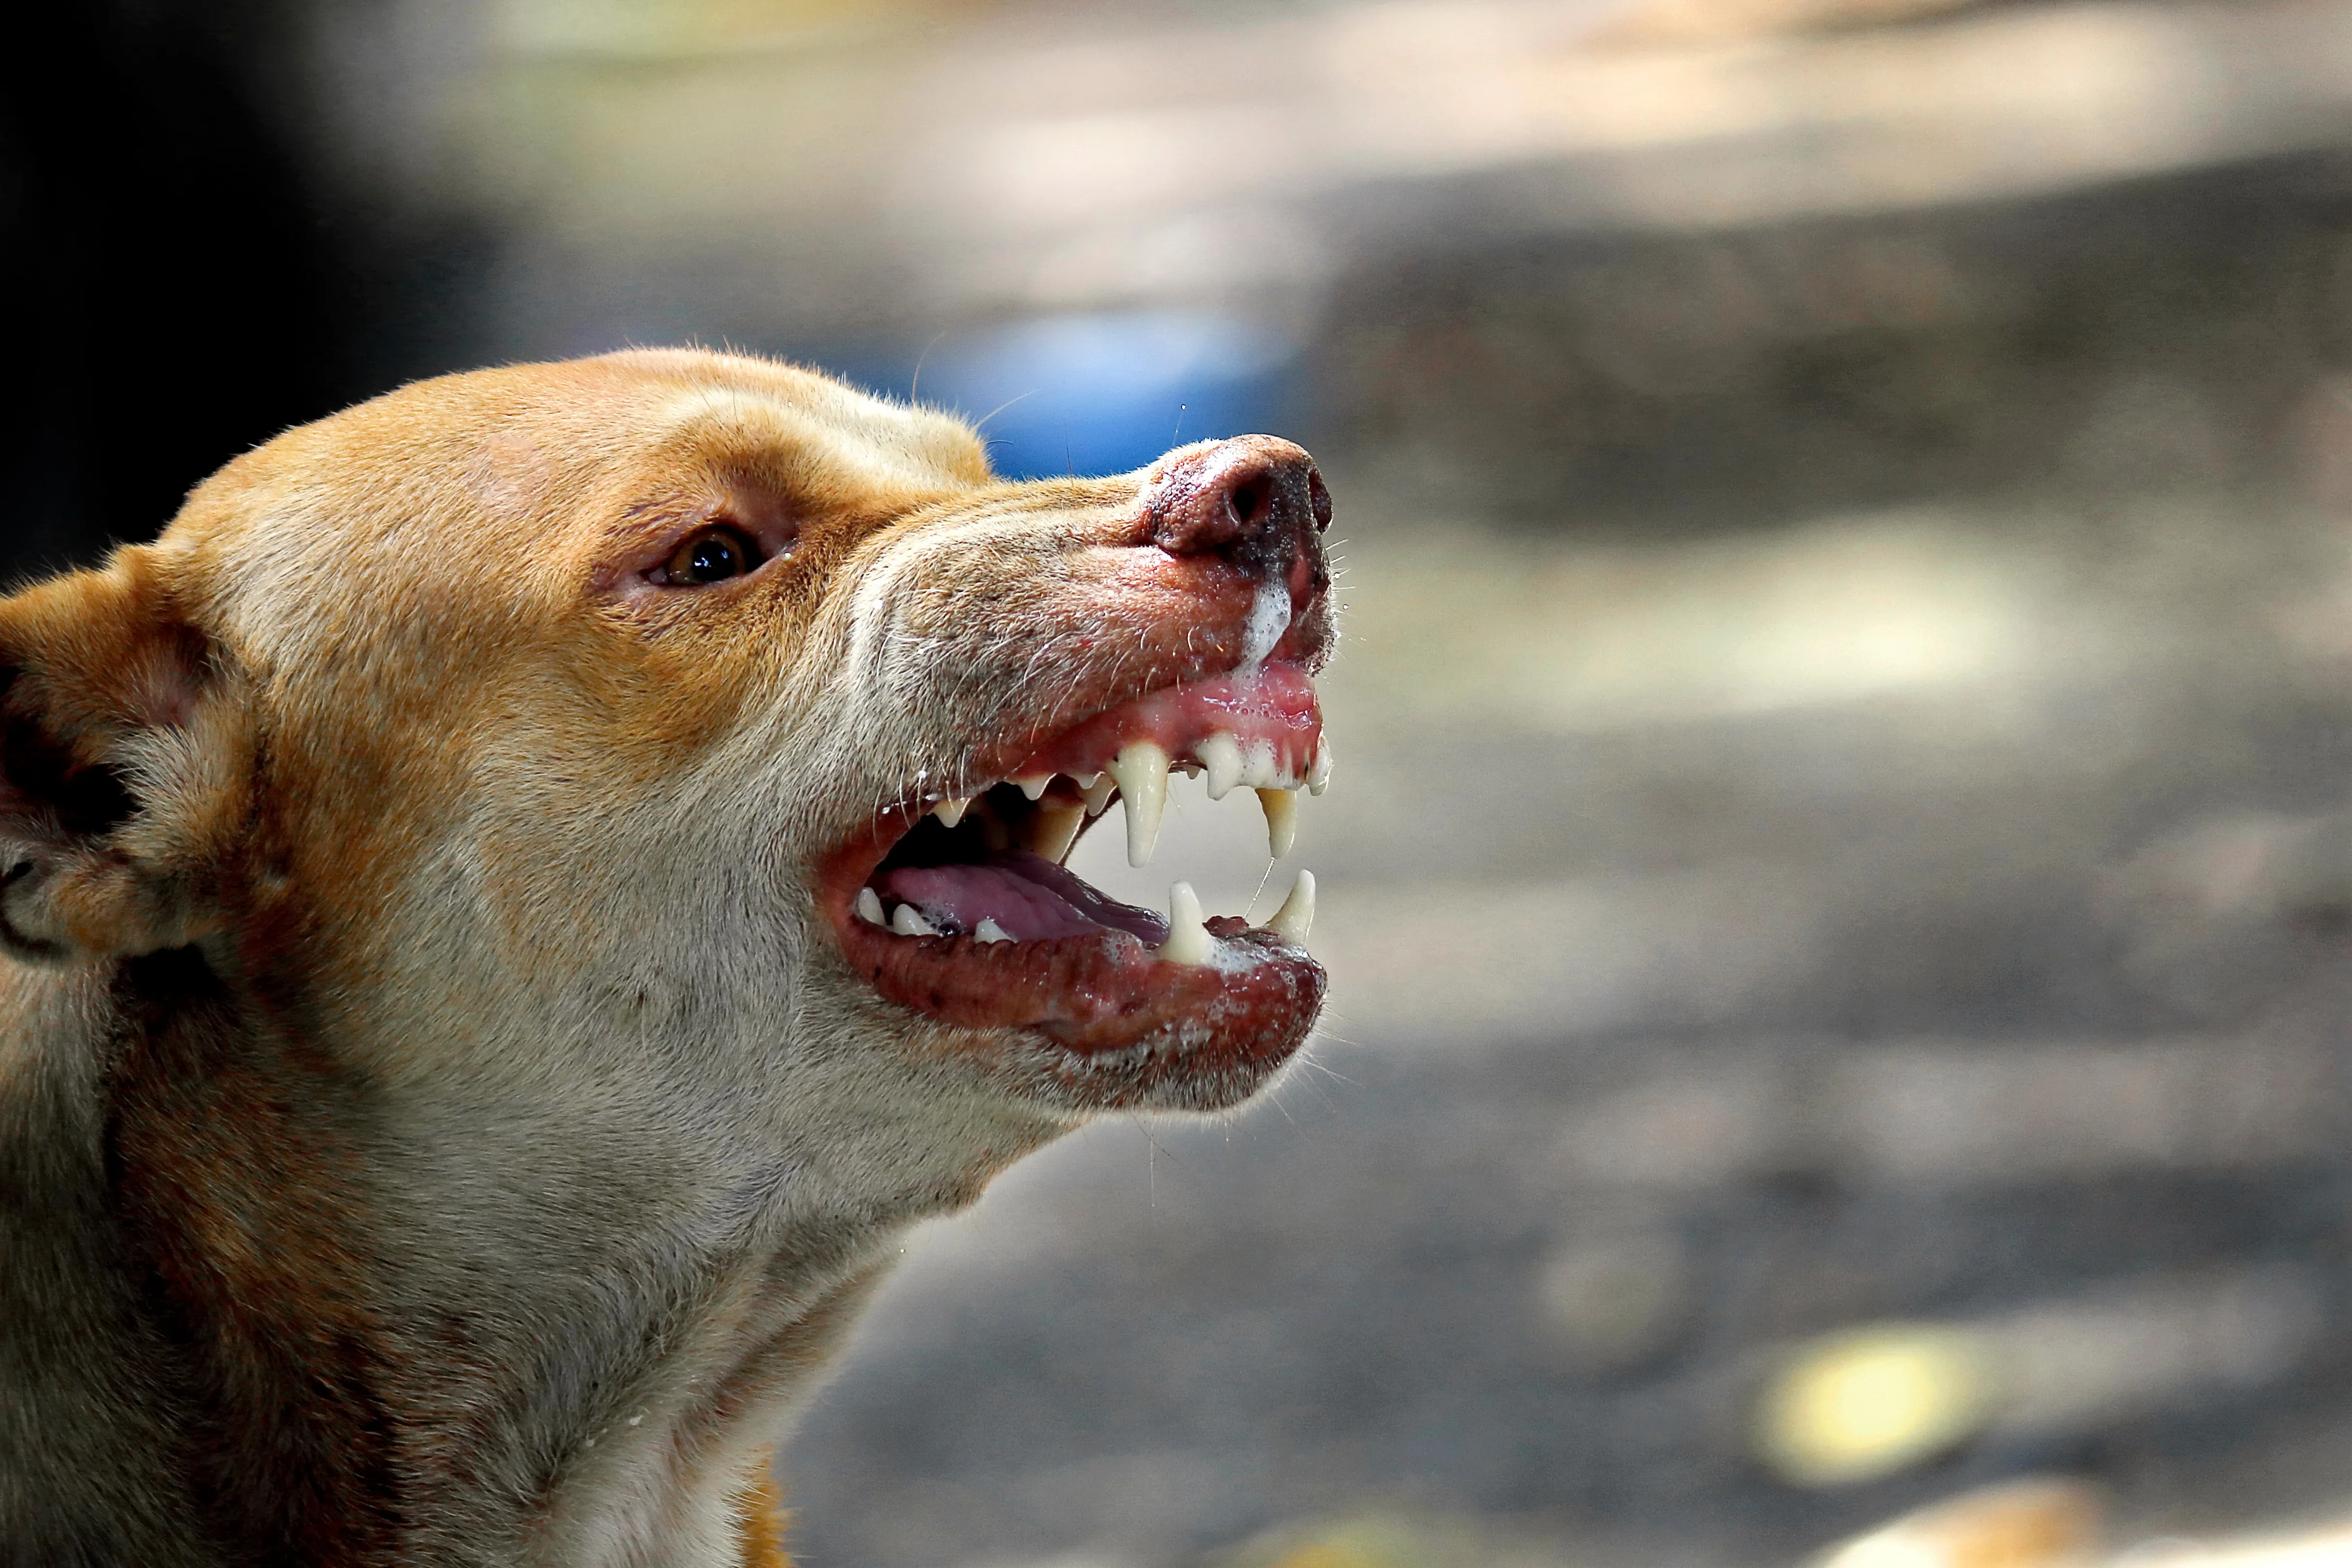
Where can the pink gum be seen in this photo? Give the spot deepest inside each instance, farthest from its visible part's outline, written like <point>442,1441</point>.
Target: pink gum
<point>1274,704</point>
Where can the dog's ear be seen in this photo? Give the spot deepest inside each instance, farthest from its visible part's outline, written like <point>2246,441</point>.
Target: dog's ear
<point>125,767</point>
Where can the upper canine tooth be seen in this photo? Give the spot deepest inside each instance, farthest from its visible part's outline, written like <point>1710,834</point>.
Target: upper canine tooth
<point>1035,784</point>
<point>952,811</point>
<point>1053,827</point>
<point>1141,771</point>
<point>1281,807</point>
<point>1258,767</point>
<point>869,907</point>
<point>1318,772</point>
<point>1097,793</point>
<point>990,931</point>
<point>1297,912</point>
<point>906,922</point>
<point>1189,941</point>
<point>1221,754</point>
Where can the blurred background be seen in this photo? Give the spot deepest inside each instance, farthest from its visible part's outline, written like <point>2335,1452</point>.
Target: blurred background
<point>1838,883</point>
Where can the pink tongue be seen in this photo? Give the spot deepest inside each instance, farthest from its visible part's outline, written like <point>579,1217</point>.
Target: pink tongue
<point>1030,898</point>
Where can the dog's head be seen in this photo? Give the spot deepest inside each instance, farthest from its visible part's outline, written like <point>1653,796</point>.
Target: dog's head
<point>679,715</point>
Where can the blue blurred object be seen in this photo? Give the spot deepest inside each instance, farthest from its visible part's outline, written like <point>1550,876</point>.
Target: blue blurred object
<point>1095,393</point>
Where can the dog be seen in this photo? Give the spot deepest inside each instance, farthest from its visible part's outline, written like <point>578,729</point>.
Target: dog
<point>531,882</point>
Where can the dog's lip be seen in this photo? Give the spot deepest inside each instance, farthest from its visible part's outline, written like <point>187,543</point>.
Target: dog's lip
<point>1103,992</point>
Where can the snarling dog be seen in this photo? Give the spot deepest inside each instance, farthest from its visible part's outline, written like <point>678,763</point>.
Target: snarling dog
<point>527,887</point>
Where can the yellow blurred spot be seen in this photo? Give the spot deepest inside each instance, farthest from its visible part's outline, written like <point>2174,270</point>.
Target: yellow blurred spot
<point>1326,1554</point>
<point>1364,1543</point>
<point>1869,1402</point>
<point>2041,1523</point>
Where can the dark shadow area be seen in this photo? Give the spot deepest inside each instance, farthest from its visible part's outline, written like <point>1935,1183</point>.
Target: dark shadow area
<point>190,279</point>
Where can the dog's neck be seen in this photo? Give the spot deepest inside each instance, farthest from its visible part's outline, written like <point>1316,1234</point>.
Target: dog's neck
<point>432,1324</point>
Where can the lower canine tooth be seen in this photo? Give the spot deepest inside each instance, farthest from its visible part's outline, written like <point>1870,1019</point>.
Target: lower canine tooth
<point>1141,772</point>
<point>869,907</point>
<point>1281,808</point>
<point>1189,941</point>
<point>1297,912</point>
<point>1222,756</point>
<point>1053,827</point>
<point>952,811</point>
<point>907,923</point>
<point>1318,772</point>
<point>990,931</point>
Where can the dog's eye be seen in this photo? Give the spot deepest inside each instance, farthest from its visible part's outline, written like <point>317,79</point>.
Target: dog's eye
<point>711,555</point>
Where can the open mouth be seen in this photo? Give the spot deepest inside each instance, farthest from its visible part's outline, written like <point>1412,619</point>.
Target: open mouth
<point>964,909</point>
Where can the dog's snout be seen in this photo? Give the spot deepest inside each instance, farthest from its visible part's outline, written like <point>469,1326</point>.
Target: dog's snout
<point>1252,496</point>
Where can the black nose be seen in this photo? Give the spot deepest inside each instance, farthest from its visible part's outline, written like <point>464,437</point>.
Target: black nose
<point>1256,501</point>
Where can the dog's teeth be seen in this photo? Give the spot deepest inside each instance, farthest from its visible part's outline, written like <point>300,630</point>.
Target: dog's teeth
<point>907,923</point>
<point>1053,827</point>
<point>1297,912</point>
<point>869,907</point>
<point>990,931</point>
<point>1222,756</point>
<point>1281,808</point>
<point>1318,772</point>
<point>1140,770</point>
<point>952,811</point>
<point>1258,768</point>
<point>1097,790</point>
<point>1189,941</point>
<point>1035,784</point>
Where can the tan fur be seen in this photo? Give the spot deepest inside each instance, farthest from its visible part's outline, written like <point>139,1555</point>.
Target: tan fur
<point>432,1125</point>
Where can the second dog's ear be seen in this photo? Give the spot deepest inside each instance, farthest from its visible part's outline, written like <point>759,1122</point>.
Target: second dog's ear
<point>125,767</point>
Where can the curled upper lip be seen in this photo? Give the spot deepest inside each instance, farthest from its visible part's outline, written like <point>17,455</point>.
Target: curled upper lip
<point>1264,732</point>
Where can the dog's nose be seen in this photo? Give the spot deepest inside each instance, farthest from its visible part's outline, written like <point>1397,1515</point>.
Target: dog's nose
<point>1254,500</point>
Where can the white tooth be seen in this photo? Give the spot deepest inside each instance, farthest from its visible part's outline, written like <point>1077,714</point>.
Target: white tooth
<point>1141,771</point>
<point>1053,828</point>
<point>1035,784</point>
<point>1281,808</point>
<point>1189,941</point>
<point>869,907</point>
<point>990,931</point>
<point>952,811</point>
<point>907,923</point>
<point>1297,912</point>
<point>1222,756</point>
<point>1318,772</point>
<point>1097,793</point>
<point>1257,766</point>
